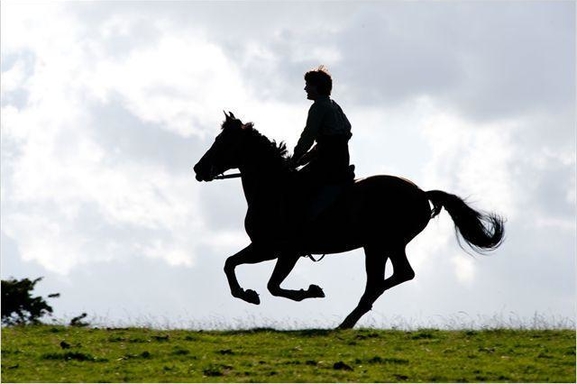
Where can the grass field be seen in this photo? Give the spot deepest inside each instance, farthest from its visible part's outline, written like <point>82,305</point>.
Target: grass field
<point>72,354</point>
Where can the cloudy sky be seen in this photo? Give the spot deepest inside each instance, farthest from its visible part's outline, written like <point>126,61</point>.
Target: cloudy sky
<point>106,106</point>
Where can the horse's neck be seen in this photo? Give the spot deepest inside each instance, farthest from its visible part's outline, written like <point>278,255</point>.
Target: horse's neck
<point>262,177</point>
<point>260,182</point>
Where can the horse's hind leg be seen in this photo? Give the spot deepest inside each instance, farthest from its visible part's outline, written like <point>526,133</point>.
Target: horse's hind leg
<point>249,255</point>
<point>284,265</point>
<point>402,270</point>
<point>376,259</point>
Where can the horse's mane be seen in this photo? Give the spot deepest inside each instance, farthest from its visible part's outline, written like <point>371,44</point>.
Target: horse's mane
<point>270,148</point>
<point>261,147</point>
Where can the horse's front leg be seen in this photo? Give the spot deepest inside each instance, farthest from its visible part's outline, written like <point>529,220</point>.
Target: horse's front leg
<point>249,255</point>
<point>284,265</point>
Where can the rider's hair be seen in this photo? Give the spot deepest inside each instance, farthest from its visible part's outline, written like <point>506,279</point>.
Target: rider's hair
<point>321,78</point>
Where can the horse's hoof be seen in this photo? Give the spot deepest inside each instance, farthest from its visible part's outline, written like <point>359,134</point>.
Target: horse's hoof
<point>251,296</point>
<point>315,291</point>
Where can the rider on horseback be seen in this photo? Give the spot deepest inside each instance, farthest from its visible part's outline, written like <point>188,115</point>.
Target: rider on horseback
<point>327,163</point>
<point>381,213</point>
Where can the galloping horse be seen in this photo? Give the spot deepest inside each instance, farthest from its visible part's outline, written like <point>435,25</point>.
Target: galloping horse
<point>382,214</point>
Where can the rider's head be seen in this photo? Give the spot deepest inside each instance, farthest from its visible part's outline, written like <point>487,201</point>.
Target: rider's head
<point>321,79</point>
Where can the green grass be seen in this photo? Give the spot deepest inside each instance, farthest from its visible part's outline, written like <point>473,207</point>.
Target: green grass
<point>35,354</point>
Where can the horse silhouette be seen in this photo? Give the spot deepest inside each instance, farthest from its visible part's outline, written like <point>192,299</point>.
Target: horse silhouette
<point>380,213</point>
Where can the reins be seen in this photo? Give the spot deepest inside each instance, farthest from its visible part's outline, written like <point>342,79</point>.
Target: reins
<point>231,176</point>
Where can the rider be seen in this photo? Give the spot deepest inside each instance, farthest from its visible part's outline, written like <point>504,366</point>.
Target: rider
<point>327,163</point>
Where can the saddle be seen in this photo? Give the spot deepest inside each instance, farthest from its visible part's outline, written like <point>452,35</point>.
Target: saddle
<point>325,195</point>
<point>294,211</point>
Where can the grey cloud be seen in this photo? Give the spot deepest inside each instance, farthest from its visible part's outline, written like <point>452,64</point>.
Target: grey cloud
<point>389,56</point>
<point>126,138</point>
<point>546,190</point>
<point>525,61</point>
<point>17,97</point>
<point>484,59</point>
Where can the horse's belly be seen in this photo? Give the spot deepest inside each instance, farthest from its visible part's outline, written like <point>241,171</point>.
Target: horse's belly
<point>380,208</point>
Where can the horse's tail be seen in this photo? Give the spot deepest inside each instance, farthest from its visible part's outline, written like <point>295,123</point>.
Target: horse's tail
<point>481,231</point>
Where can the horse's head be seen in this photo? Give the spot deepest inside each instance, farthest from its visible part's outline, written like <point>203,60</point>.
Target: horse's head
<point>224,154</point>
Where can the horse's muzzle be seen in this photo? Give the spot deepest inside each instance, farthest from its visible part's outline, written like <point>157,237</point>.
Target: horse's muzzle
<point>198,173</point>
<point>203,174</point>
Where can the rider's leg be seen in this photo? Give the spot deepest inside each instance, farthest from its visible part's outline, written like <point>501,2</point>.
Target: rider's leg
<point>249,255</point>
<point>326,195</point>
<point>284,265</point>
<point>325,177</point>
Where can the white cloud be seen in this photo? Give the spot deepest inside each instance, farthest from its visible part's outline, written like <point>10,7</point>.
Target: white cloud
<point>45,240</point>
<point>464,269</point>
<point>172,82</point>
<point>13,78</point>
<point>472,160</point>
<point>54,168</point>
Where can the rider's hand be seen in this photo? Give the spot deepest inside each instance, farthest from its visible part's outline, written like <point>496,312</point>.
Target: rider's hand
<point>293,163</point>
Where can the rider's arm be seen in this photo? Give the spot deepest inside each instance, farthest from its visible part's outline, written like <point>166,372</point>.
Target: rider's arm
<point>307,157</point>
<point>310,133</point>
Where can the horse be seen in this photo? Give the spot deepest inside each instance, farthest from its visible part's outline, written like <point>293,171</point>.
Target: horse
<point>381,214</point>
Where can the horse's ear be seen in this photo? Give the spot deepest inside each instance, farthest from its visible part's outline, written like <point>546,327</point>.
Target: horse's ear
<point>231,115</point>
<point>225,115</point>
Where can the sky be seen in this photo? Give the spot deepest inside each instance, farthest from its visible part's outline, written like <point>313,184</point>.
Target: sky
<point>106,106</point>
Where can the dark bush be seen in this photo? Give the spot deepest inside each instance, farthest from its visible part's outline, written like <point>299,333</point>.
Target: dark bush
<point>18,304</point>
